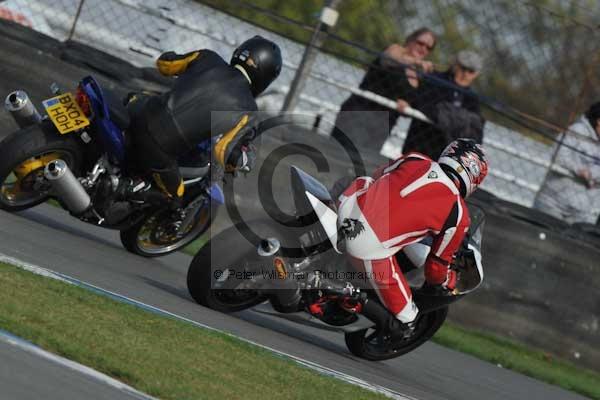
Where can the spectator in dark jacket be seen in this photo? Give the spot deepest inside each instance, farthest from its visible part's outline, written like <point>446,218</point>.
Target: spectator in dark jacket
<point>452,106</point>
<point>392,75</point>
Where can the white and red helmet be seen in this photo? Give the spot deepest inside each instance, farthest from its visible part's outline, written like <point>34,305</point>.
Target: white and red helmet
<point>466,161</point>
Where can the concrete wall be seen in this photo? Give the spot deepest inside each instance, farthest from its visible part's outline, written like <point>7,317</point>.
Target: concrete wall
<point>541,288</point>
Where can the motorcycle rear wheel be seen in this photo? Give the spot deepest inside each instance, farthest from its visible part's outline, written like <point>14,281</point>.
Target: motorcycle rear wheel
<point>25,153</point>
<point>364,343</point>
<point>227,252</point>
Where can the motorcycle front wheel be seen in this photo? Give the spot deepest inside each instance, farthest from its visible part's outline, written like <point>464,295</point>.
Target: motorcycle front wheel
<point>159,234</point>
<point>369,345</point>
<point>25,154</point>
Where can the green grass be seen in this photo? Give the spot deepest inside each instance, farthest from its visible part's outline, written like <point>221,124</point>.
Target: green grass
<point>196,245</point>
<point>172,360</point>
<point>511,355</point>
<point>53,203</point>
<point>160,356</point>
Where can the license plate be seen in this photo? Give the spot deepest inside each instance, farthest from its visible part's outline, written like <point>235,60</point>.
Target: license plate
<point>64,111</point>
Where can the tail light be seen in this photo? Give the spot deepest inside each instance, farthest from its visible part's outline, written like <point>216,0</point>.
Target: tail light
<point>84,102</point>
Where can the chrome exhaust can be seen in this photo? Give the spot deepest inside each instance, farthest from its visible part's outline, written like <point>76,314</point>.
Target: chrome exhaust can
<point>66,186</point>
<point>22,109</point>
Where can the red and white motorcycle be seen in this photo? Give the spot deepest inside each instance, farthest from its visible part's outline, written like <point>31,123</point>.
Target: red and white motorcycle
<point>299,269</point>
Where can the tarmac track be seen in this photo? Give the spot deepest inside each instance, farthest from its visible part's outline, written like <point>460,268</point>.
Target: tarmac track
<point>48,237</point>
<point>51,379</point>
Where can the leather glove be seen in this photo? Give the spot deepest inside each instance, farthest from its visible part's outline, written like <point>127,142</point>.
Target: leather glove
<point>450,282</point>
<point>242,159</point>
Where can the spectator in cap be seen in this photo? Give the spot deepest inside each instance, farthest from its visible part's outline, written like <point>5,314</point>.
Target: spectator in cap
<point>393,74</point>
<point>467,67</point>
<point>571,190</point>
<point>447,99</point>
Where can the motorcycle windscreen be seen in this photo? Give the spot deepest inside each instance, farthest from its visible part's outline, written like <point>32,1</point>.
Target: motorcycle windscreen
<point>468,262</point>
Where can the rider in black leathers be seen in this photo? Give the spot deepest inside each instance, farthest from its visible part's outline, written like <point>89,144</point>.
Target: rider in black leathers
<point>210,97</point>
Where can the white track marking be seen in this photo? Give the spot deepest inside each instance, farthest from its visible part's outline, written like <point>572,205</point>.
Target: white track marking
<point>92,373</point>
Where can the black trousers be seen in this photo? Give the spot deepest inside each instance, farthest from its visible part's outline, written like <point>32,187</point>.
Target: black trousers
<point>147,155</point>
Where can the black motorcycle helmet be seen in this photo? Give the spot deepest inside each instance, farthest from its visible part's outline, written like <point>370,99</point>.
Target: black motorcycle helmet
<point>261,59</point>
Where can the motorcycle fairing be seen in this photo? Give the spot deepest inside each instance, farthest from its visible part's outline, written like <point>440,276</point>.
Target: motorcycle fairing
<point>216,193</point>
<point>110,134</point>
<point>302,183</point>
<point>327,218</point>
<point>313,203</point>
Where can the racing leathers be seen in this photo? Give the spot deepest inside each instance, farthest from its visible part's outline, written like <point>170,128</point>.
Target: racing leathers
<point>404,202</point>
<point>208,98</point>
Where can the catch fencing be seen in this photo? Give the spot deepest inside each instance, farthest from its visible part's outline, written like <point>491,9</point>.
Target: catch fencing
<point>540,65</point>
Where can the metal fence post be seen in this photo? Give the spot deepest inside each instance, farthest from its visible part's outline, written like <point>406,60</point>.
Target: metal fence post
<point>77,14</point>
<point>327,20</point>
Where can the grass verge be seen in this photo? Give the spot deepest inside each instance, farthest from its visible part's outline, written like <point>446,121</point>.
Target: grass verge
<point>187,362</point>
<point>53,203</point>
<point>160,356</point>
<point>192,248</point>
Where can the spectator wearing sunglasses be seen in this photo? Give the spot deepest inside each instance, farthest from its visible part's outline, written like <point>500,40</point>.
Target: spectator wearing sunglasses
<point>394,75</point>
<point>447,99</point>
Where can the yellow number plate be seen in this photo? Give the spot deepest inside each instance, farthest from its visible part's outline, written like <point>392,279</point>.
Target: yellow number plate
<point>64,111</point>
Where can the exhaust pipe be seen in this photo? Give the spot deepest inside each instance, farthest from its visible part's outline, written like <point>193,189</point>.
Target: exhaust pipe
<point>22,109</point>
<point>66,186</point>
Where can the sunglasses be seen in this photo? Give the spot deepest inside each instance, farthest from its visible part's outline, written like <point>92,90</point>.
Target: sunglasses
<point>424,44</point>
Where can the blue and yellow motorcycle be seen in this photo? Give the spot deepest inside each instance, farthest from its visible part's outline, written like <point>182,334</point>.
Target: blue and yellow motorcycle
<point>76,152</point>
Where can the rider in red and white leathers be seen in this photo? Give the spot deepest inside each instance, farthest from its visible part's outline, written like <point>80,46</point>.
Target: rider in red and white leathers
<point>405,201</point>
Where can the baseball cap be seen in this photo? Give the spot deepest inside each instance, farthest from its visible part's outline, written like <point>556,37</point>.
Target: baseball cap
<point>469,59</point>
